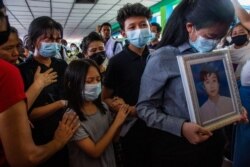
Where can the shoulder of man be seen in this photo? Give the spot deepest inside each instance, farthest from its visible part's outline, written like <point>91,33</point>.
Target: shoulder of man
<point>116,43</point>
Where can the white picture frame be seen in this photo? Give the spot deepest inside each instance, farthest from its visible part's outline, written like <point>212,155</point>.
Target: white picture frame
<point>211,104</point>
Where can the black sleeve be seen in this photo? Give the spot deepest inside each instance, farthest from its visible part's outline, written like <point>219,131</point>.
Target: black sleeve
<point>27,74</point>
<point>60,69</point>
<point>110,75</point>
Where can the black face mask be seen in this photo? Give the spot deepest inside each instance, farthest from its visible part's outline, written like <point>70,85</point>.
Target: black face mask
<point>99,57</point>
<point>4,35</point>
<point>239,40</point>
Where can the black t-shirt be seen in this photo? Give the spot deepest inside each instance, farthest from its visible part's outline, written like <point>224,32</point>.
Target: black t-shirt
<point>44,128</point>
<point>123,74</point>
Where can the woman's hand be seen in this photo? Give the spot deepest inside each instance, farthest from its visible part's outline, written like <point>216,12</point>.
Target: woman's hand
<point>67,127</point>
<point>194,133</point>
<point>116,103</point>
<point>64,103</point>
<point>122,114</point>
<point>46,78</point>
<point>243,117</point>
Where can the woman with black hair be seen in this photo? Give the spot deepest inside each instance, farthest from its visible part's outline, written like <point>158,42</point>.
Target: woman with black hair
<point>194,26</point>
<point>43,37</point>
<point>92,143</point>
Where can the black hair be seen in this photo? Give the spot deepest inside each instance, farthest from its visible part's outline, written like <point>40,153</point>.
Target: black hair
<point>4,35</point>
<point>73,44</point>
<point>105,24</point>
<point>8,32</point>
<point>74,83</point>
<point>1,4</point>
<point>157,26</point>
<point>208,70</point>
<point>201,13</point>
<point>93,36</point>
<point>60,28</point>
<point>131,10</point>
<point>13,30</point>
<point>2,16</point>
<point>63,41</point>
<point>39,26</point>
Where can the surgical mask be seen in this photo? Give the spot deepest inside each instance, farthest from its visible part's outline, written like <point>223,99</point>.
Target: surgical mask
<point>239,40</point>
<point>98,57</point>
<point>203,45</point>
<point>139,37</point>
<point>153,37</point>
<point>60,46</point>
<point>92,91</point>
<point>60,53</point>
<point>48,49</point>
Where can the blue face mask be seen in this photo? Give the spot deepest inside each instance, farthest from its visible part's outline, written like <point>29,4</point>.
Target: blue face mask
<point>92,91</point>
<point>139,37</point>
<point>49,49</point>
<point>60,46</point>
<point>58,53</point>
<point>203,45</point>
<point>153,37</point>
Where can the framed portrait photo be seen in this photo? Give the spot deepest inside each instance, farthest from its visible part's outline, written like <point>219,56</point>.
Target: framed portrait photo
<point>210,88</point>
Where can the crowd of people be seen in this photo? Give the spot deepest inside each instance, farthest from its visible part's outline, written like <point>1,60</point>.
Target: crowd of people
<point>109,104</point>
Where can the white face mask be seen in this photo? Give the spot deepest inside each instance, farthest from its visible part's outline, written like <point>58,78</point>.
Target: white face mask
<point>92,91</point>
<point>204,45</point>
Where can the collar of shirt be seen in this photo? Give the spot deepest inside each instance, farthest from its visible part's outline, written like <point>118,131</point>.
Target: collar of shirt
<point>36,63</point>
<point>134,55</point>
<point>186,48</point>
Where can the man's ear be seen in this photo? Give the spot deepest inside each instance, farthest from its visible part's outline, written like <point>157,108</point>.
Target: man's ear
<point>191,31</point>
<point>189,27</point>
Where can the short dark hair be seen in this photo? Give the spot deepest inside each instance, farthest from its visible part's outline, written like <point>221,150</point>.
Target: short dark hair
<point>10,30</point>
<point>104,24</point>
<point>157,26</point>
<point>208,70</point>
<point>63,41</point>
<point>13,30</point>
<point>73,44</point>
<point>130,10</point>
<point>93,36</point>
<point>4,34</point>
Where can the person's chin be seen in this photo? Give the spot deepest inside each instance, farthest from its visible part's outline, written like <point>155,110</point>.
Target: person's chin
<point>213,95</point>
